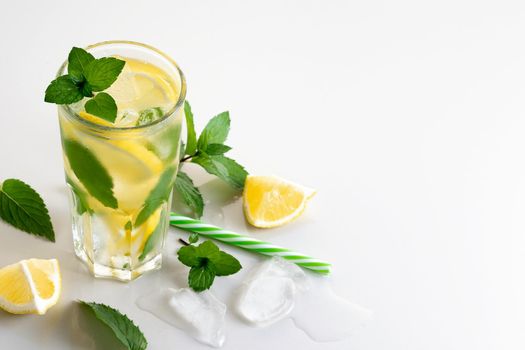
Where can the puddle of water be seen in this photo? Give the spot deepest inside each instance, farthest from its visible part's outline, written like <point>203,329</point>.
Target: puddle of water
<point>326,317</point>
<point>274,290</point>
<point>277,289</point>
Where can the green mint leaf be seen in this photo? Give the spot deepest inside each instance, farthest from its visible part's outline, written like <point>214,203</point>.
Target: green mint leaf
<point>158,195</point>
<point>206,249</point>
<point>152,241</point>
<point>201,278</point>
<point>225,168</point>
<point>216,149</point>
<point>194,238</point>
<point>216,131</point>
<point>103,72</point>
<point>22,207</point>
<point>165,137</point>
<point>224,264</point>
<point>148,116</point>
<point>63,91</point>
<point>189,194</point>
<point>78,59</point>
<point>206,262</point>
<point>188,256</point>
<point>124,329</point>
<point>182,150</point>
<point>191,139</point>
<point>103,106</point>
<point>86,89</point>
<point>81,202</point>
<point>90,172</point>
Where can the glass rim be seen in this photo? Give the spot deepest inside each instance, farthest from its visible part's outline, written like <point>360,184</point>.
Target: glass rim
<point>178,104</point>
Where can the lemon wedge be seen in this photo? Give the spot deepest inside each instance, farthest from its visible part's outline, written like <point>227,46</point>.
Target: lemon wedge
<point>270,201</point>
<point>30,286</point>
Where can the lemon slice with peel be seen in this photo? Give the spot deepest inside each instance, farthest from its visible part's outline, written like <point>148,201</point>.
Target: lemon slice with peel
<point>94,119</point>
<point>30,286</point>
<point>141,153</point>
<point>270,201</point>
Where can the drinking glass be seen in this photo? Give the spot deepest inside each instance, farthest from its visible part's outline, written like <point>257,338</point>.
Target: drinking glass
<point>120,179</point>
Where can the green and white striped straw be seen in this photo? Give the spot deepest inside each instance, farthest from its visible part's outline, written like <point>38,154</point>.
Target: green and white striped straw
<point>248,243</point>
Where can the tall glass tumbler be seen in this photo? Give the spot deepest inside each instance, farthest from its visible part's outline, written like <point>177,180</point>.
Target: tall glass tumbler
<point>120,178</point>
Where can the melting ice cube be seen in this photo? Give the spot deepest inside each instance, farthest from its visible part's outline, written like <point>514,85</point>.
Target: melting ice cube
<point>278,289</point>
<point>200,315</point>
<point>268,295</point>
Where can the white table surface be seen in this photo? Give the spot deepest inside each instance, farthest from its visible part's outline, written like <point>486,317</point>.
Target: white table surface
<point>407,116</point>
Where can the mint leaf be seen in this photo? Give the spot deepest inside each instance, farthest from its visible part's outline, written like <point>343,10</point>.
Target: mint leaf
<point>90,172</point>
<point>182,150</point>
<point>22,207</point>
<point>206,262</point>
<point>63,91</point>
<point>206,249</point>
<point>225,168</point>
<point>188,256</point>
<point>124,329</point>
<point>191,138</point>
<point>216,131</point>
<point>86,89</point>
<point>103,72</point>
<point>85,75</point>
<point>148,116</point>
<point>201,278</point>
<point>78,59</point>
<point>158,195</point>
<point>152,240</point>
<point>81,202</point>
<point>189,194</point>
<point>194,238</point>
<point>216,149</point>
<point>225,264</point>
<point>103,106</point>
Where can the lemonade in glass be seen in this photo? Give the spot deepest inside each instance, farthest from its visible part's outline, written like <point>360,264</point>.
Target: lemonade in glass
<point>120,174</point>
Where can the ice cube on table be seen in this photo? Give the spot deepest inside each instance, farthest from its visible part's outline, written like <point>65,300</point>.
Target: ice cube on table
<point>200,315</point>
<point>269,293</point>
<point>278,289</point>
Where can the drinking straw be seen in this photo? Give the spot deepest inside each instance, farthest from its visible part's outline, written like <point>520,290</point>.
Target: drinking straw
<point>248,243</point>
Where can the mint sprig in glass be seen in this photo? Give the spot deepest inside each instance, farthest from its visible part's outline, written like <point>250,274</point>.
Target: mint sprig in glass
<point>120,107</point>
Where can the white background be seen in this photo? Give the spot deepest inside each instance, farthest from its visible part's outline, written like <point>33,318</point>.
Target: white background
<point>407,116</point>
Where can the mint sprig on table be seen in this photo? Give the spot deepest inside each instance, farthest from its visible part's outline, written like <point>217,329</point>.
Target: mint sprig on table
<point>124,329</point>
<point>87,74</point>
<point>206,261</point>
<point>22,207</point>
<point>208,152</point>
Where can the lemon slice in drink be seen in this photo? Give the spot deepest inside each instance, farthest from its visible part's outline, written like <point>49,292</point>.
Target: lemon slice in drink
<point>270,201</point>
<point>30,286</point>
<point>140,153</point>
<point>142,85</point>
<point>94,119</point>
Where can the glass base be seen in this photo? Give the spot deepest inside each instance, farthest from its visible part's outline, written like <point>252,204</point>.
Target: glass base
<point>112,250</point>
<point>125,275</point>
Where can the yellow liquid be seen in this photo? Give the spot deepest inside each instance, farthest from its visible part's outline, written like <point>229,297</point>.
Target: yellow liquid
<point>111,239</point>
